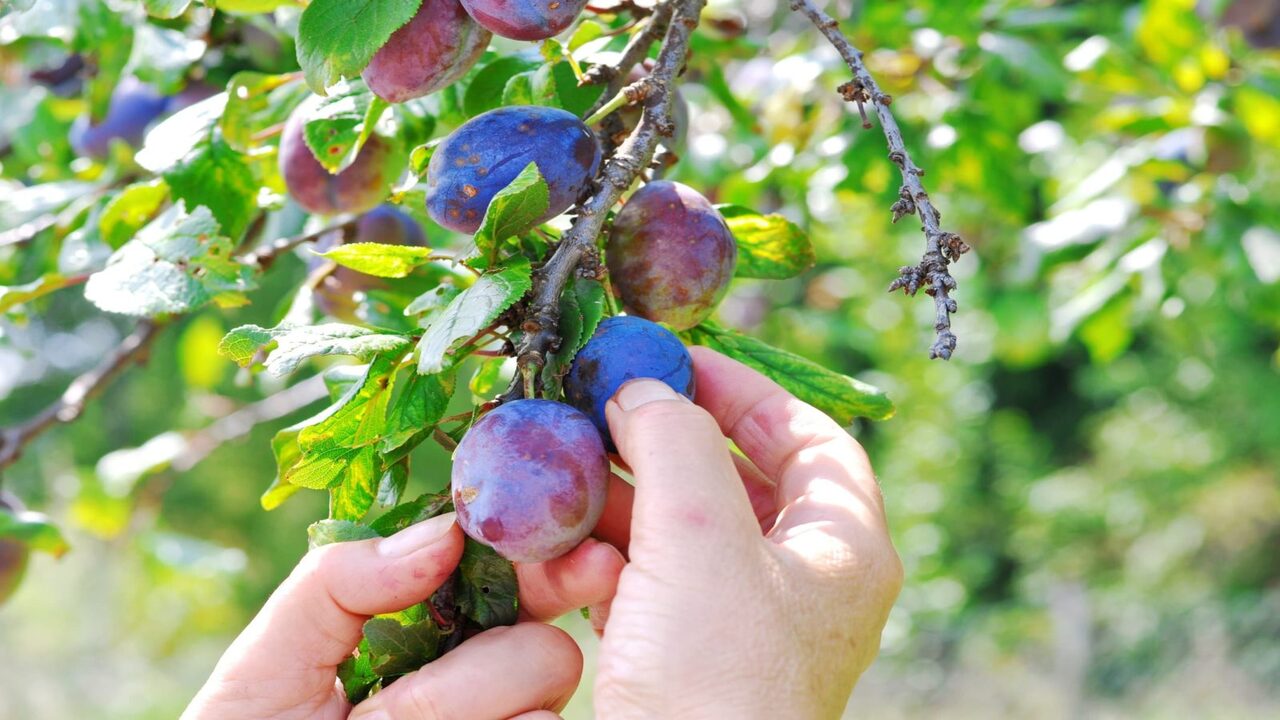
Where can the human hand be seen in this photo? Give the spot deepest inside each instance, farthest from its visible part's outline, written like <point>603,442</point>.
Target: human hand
<point>757,586</point>
<point>284,665</point>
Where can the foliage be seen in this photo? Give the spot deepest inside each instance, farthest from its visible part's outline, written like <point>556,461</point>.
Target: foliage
<point>1098,459</point>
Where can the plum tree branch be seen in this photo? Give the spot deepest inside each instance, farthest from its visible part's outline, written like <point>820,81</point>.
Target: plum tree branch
<point>941,247</point>
<point>133,348</point>
<point>577,249</point>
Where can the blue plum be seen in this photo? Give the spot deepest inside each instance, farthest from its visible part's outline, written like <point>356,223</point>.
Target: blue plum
<point>625,348</point>
<point>529,479</point>
<point>525,19</point>
<point>671,255</point>
<point>134,106</point>
<point>358,188</point>
<point>433,50</point>
<point>337,295</point>
<point>487,152</point>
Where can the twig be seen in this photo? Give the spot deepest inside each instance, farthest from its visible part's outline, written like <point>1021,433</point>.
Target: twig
<point>577,249</point>
<point>633,54</point>
<point>264,257</point>
<point>71,405</point>
<point>941,247</point>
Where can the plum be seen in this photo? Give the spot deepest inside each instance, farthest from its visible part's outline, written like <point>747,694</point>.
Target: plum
<point>134,106</point>
<point>337,294</point>
<point>625,348</point>
<point>487,152</point>
<point>14,554</point>
<point>529,479</point>
<point>670,254</point>
<point>358,188</point>
<point>525,19</point>
<point>433,50</point>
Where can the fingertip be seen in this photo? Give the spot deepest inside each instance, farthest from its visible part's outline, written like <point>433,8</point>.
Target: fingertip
<point>586,575</point>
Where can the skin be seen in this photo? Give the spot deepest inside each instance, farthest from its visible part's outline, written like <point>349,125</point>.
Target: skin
<point>671,255</point>
<point>525,19</point>
<point>756,586</point>
<point>436,48</point>
<point>360,187</point>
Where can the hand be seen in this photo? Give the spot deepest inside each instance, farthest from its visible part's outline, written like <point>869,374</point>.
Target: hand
<point>757,586</point>
<point>284,665</point>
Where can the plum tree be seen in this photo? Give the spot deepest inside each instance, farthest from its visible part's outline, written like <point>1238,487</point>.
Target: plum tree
<point>670,254</point>
<point>525,19</point>
<point>13,554</point>
<point>358,188</point>
<point>529,479</point>
<point>434,49</point>
<point>679,109</point>
<point>337,294</point>
<point>487,152</point>
<point>624,348</point>
<point>134,106</point>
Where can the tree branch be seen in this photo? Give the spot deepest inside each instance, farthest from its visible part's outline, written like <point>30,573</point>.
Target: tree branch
<point>132,349</point>
<point>577,249</point>
<point>941,247</point>
<point>71,404</point>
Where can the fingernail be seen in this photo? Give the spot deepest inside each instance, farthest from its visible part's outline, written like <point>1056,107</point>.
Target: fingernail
<point>415,537</point>
<point>643,391</point>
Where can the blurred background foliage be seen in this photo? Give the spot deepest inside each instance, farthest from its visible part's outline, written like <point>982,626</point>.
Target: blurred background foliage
<point>1085,498</point>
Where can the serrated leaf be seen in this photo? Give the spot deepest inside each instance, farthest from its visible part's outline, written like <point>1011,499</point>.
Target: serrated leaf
<point>402,642</point>
<point>336,127</point>
<point>34,530</point>
<point>326,532</point>
<point>130,210</point>
<point>356,675</point>
<point>15,295</point>
<point>379,259</point>
<point>840,396</point>
<point>581,308</point>
<point>175,264</point>
<point>219,178</point>
<point>424,507</point>
<point>257,102</point>
<point>354,496</point>
<point>515,209</point>
<point>394,480</point>
<point>422,401</point>
<point>556,85</point>
<point>487,592</point>
<point>519,89</point>
<point>289,346</point>
<point>470,312</point>
<point>484,92</point>
<point>337,38</point>
<point>770,247</point>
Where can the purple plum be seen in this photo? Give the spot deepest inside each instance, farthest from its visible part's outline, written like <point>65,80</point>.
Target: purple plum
<point>337,295</point>
<point>670,254</point>
<point>433,50</point>
<point>487,152</point>
<point>529,479</point>
<point>360,187</point>
<point>134,106</point>
<point>625,348</point>
<point>525,19</point>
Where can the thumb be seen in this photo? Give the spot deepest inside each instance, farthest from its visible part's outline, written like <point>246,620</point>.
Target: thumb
<point>316,615</point>
<point>689,497</point>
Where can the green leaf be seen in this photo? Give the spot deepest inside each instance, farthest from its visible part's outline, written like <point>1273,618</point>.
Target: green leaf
<point>257,102</point>
<point>519,89</point>
<point>175,264</point>
<point>356,675</point>
<point>179,134</point>
<point>415,511</point>
<point>379,259</point>
<point>165,8</point>
<point>839,396</point>
<point>355,495</point>
<point>556,85</point>
<point>106,36</point>
<point>484,382</point>
<point>402,642</point>
<point>289,346</point>
<point>325,532</point>
<point>34,530</point>
<point>484,92</point>
<point>770,247</point>
<point>422,401</point>
<point>337,38</point>
<point>581,308</point>
<point>127,212</point>
<point>15,295</point>
<point>336,127</point>
<point>394,480</point>
<point>470,312</point>
<point>487,592</point>
<point>219,178</point>
<point>516,209</point>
